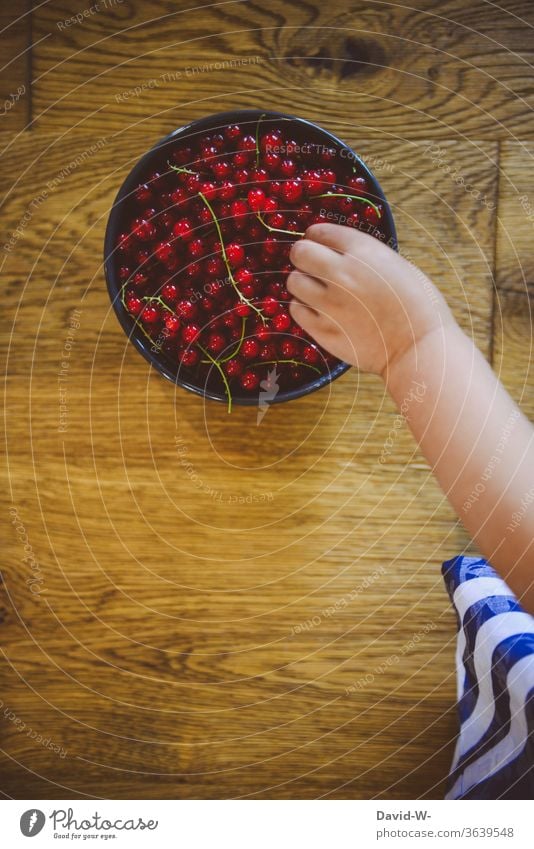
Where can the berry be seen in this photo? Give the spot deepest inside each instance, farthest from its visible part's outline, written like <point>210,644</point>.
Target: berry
<point>247,143</point>
<point>183,229</point>
<point>221,169</point>
<point>172,323</point>
<point>196,248</point>
<point>256,199</point>
<point>270,306</point>
<point>227,190</point>
<point>215,266</point>
<point>208,189</point>
<point>134,305</point>
<point>272,161</point>
<point>193,183</point>
<point>239,212</point>
<point>190,333</point>
<point>313,182</point>
<point>232,132</point>
<point>250,380</point>
<point>143,193</point>
<point>150,315</point>
<point>358,185</point>
<point>193,270</point>
<point>164,251</point>
<point>169,293</point>
<point>259,175</point>
<point>250,349</point>
<point>281,322</point>
<point>292,190</point>
<point>288,349</point>
<point>216,343</point>
<point>288,168</point>
<point>241,158</point>
<point>270,140</point>
<point>233,368</point>
<point>186,309</point>
<point>241,176</point>
<point>189,358</point>
<point>268,351</point>
<point>143,229</point>
<point>370,214</point>
<point>310,355</point>
<point>235,253</point>
<point>328,176</point>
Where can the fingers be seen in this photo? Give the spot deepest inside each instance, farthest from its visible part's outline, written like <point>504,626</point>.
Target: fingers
<point>336,237</point>
<point>316,260</point>
<point>308,318</point>
<point>306,289</point>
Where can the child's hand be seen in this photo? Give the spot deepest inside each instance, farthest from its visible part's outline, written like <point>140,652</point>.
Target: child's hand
<point>359,299</point>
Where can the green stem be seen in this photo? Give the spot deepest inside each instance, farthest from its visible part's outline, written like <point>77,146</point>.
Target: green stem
<point>353,197</point>
<point>290,362</point>
<point>227,264</point>
<point>181,169</point>
<point>221,372</point>
<point>237,350</point>
<point>276,229</point>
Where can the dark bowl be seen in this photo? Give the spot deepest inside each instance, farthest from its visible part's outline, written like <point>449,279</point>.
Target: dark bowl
<point>180,375</point>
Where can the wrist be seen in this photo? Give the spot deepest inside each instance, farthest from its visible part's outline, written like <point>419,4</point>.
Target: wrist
<point>422,356</point>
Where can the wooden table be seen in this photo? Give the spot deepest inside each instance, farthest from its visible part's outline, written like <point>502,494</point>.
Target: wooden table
<point>193,606</point>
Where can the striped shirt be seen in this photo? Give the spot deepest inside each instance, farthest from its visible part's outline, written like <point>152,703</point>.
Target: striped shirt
<point>494,757</point>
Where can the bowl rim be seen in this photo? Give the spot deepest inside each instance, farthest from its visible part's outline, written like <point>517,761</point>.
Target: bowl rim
<point>215,121</point>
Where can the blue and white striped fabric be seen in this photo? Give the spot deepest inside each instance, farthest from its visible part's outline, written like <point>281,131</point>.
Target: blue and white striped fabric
<point>494,757</point>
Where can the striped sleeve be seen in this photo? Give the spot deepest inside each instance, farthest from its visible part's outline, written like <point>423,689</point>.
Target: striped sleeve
<point>494,757</point>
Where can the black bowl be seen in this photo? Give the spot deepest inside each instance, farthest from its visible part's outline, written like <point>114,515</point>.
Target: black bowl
<point>301,128</point>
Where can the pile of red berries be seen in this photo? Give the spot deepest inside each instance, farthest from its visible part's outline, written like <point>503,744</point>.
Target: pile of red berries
<point>205,255</point>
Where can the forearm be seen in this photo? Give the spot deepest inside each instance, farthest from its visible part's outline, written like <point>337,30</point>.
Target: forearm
<point>479,445</point>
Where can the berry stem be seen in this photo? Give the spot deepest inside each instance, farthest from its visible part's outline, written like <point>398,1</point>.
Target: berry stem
<point>181,169</point>
<point>276,229</point>
<point>290,362</point>
<point>237,350</point>
<point>221,372</point>
<point>227,264</point>
<point>353,197</point>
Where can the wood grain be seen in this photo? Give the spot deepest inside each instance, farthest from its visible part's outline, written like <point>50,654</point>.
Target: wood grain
<point>272,623</point>
<point>388,70</point>
<point>515,231</point>
<point>15,60</point>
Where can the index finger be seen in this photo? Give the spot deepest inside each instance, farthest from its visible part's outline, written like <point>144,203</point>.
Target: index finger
<point>337,236</point>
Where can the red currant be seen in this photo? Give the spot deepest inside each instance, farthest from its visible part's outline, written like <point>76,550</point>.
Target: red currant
<point>250,380</point>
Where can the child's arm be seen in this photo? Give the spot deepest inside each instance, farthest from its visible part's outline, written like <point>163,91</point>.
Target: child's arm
<point>370,307</point>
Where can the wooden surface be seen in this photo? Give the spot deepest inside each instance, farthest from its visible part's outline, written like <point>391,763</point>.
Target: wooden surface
<point>215,609</point>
